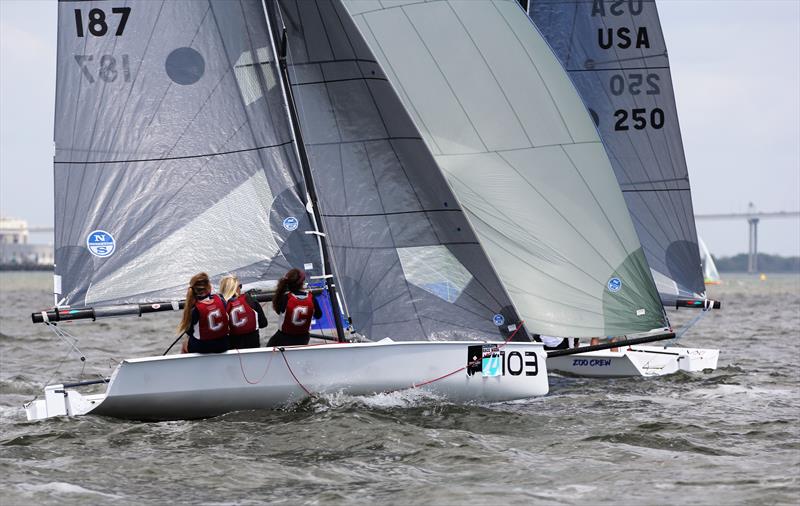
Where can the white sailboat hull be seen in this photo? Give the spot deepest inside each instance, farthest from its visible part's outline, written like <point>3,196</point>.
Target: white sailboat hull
<point>636,361</point>
<point>198,386</point>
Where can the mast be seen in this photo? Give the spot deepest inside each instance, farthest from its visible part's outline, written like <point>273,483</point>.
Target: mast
<point>280,41</point>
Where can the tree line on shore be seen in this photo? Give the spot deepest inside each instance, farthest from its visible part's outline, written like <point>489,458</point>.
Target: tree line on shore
<point>766,263</point>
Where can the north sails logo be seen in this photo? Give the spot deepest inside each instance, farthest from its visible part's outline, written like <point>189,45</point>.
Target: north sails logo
<point>100,243</point>
<point>290,223</point>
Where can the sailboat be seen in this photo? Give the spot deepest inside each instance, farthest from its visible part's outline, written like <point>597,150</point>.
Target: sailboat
<point>525,159</point>
<point>710,273</point>
<point>615,54</point>
<point>250,137</point>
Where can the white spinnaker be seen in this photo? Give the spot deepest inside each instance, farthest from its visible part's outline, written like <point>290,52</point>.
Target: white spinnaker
<point>233,232</point>
<point>509,130</point>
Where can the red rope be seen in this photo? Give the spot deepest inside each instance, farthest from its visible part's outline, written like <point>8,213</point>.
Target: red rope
<point>413,385</point>
<point>241,366</point>
<point>428,382</point>
<point>307,391</point>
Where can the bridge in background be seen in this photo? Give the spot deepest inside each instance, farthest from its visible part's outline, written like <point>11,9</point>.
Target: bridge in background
<point>752,217</point>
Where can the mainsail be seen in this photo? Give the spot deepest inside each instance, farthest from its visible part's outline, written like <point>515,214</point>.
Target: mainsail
<point>518,147</point>
<point>616,56</point>
<point>408,264</point>
<point>173,151</point>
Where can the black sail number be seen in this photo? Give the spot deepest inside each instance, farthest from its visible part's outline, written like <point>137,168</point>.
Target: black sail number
<point>96,21</point>
<point>635,83</point>
<point>639,119</point>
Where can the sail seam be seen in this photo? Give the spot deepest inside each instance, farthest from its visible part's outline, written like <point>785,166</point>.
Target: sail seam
<point>617,69</point>
<point>492,73</point>
<point>326,81</point>
<point>221,153</point>
<point>361,141</point>
<point>658,190</point>
<point>320,62</point>
<point>445,78</point>
<point>391,213</point>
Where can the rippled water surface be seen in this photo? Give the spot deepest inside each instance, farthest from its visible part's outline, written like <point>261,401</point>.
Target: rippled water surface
<point>731,436</point>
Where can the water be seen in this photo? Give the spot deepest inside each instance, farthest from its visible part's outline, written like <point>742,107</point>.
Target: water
<point>727,437</point>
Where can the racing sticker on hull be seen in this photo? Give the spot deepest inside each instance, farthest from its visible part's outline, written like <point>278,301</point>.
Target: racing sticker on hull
<point>484,359</point>
<point>490,361</point>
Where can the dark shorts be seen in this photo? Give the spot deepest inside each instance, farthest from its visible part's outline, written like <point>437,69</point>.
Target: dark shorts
<point>281,339</point>
<point>242,342</point>
<point>210,346</point>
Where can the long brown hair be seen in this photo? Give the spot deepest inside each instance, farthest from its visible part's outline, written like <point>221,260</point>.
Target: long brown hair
<point>293,280</point>
<point>198,281</point>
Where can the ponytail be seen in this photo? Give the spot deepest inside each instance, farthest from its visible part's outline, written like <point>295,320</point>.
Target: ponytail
<point>280,292</point>
<point>293,280</point>
<point>198,281</point>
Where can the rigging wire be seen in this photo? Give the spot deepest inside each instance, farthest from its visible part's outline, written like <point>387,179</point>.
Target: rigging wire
<point>71,342</point>
<point>691,324</point>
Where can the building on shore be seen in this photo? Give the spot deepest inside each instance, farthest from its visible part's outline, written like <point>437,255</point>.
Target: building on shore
<point>15,251</point>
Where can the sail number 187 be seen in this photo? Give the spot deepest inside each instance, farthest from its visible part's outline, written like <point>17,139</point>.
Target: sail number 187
<point>96,21</point>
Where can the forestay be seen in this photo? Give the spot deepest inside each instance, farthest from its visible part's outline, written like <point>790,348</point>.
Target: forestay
<point>173,151</point>
<point>523,157</point>
<point>616,56</point>
<point>408,263</point>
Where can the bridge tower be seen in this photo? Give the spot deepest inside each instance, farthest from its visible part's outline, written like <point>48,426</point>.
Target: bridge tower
<point>752,251</point>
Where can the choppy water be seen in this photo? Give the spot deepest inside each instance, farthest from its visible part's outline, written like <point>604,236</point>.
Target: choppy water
<point>727,437</point>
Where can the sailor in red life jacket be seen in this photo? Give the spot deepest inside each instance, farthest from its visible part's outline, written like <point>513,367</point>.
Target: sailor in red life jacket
<point>245,315</point>
<point>296,308</point>
<point>205,318</point>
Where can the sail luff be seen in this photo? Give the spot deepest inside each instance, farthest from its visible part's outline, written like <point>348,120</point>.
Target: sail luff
<point>311,192</point>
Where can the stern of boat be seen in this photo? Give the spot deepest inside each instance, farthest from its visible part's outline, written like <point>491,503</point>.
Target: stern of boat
<point>60,400</point>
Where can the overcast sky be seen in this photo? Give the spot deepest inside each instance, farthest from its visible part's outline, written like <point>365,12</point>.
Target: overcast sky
<point>735,67</point>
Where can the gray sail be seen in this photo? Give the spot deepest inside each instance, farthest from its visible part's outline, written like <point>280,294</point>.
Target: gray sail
<point>509,131</point>
<point>173,151</point>
<point>407,261</point>
<point>616,56</point>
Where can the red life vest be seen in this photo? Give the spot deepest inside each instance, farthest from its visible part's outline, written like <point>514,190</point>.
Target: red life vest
<point>298,314</point>
<point>242,319</point>
<point>213,322</point>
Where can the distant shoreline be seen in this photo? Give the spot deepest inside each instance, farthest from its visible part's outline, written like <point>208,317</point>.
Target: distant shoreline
<point>24,267</point>
<point>766,263</point>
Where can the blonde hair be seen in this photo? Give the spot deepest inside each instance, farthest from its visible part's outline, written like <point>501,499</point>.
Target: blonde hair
<point>199,281</point>
<point>228,286</point>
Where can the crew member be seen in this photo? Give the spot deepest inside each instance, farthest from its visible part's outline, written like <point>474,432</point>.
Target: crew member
<point>296,307</point>
<point>245,315</point>
<point>205,319</point>
<point>553,343</point>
